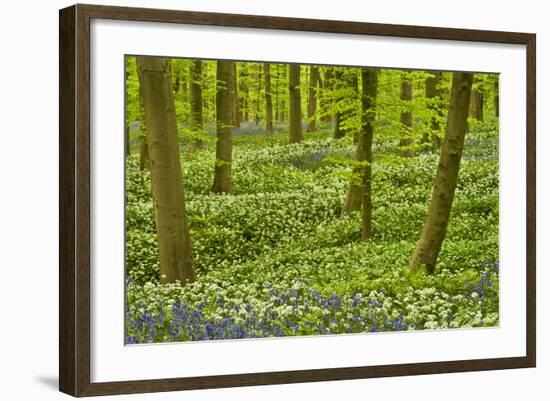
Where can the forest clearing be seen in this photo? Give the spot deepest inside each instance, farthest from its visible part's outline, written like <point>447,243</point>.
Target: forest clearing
<point>270,200</point>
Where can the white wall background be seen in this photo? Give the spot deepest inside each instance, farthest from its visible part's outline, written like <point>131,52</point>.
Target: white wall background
<point>28,198</point>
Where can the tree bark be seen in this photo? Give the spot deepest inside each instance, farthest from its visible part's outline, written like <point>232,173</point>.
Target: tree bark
<point>327,95</point>
<point>359,192</point>
<point>243,86</point>
<point>257,108</point>
<point>406,117</point>
<point>435,227</point>
<point>312,98</point>
<point>476,105</point>
<point>496,98</point>
<point>268,101</point>
<point>183,86</point>
<point>196,103</point>
<point>175,76</point>
<point>295,131</point>
<point>277,79</point>
<point>224,128</point>
<point>235,102</point>
<point>176,255</point>
<point>368,106</point>
<point>282,106</point>
<point>433,94</point>
<point>338,85</point>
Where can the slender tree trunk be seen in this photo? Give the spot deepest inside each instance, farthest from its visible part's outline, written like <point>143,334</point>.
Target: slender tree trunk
<point>244,97</point>
<point>476,105</point>
<point>319,104</point>
<point>338,85</point>
<point>327,95</point>
<point>268,102</point>
<point>433,94</point>
<point>368,105</point>
<point>176,84</point>
<point>277,79</point>
<point>282,109</point>
<point>184,86</point>
<point>435,227</point>
<point>295,132</point>
<point>496,98</point>
<point>354,85</point>
<point>406,95</point>
<point>224,128</point>
<point>257,109</point>
<point>359,192</point>
<point>235,102</point>
<point>196,103</point>
<point>312,98</point>
<point>176,255</point>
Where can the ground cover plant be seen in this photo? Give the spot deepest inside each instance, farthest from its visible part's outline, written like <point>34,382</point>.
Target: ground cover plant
<point>296,229</point>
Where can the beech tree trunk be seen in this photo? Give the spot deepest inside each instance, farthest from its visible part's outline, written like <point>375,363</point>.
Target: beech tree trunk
<point>435,227</point>
<point>184,86</point>
<point>312,98</point>
<point>338,85</point>
<point>268,102</point>
<point>196,102</point>
<point>243,86</point>
<point>277,79</point>
<point>224,128</point>
<point>257,109</point>
<point>176,84</point>
<point>354,86</point>
<point>176,255</point>
<point>235,102</point>
<point>406,117</point>
<point>282,108</point>
<point>326,95</point>
<point>368,106</point>
<point>295,131</point>
<point>433,94</point>
<point>359,192</point>
<point>496,98</point>
<point>476,105</point>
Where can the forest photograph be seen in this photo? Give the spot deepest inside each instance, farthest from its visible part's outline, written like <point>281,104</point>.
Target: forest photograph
<point>269,199</point>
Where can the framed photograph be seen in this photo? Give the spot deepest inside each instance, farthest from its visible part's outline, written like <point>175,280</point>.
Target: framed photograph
<point>249,200</point>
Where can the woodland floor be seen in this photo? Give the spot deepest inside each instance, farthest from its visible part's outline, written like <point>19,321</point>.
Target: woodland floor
<point>276,258</point>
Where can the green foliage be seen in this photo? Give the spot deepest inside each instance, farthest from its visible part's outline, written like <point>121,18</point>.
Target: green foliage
<point>282,226</point>
<point>278,248</point>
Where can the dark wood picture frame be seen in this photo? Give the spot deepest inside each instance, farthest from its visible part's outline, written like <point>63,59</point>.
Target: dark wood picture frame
<point>74,202</point>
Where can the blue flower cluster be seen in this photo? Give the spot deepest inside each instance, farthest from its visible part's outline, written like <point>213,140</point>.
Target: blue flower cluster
<point>486,281</point>
<point>283,313</point>
<point>295,311</point>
